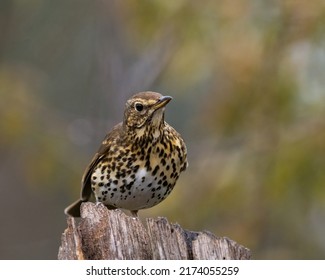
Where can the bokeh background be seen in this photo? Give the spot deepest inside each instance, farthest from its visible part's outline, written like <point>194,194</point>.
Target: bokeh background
<point>248,83</point>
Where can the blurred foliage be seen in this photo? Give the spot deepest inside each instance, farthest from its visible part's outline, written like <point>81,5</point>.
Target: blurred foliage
<point>248,87</point>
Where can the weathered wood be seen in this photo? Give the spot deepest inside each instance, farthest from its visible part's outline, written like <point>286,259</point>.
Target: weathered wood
<point>206,246</point>
<point>110,234</point>
<point>167,241</point>
<point>71,243</point>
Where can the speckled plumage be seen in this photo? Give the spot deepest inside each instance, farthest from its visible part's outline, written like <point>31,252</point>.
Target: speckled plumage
<point>139,161</point>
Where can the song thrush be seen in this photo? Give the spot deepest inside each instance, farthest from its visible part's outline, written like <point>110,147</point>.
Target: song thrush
<point>139,161</point>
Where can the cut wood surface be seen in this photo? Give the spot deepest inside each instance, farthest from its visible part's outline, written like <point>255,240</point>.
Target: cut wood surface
<point>111,234</point>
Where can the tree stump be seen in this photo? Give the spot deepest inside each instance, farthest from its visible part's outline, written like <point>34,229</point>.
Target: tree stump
<point>110,234</point>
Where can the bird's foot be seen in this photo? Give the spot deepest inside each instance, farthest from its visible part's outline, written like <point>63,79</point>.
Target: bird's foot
<point>134,214</point>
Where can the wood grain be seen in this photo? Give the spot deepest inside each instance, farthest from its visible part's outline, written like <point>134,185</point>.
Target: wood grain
<point>110,234</point>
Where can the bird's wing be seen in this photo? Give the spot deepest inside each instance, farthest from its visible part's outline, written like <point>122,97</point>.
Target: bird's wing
<point>102,151</point>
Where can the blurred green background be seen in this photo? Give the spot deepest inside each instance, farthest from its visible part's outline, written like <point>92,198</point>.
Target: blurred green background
<point>248,83</point>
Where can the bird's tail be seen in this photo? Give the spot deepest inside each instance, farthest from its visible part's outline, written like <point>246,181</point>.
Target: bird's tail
<point>74,209</point>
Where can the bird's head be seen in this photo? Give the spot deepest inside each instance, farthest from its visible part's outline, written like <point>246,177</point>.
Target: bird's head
<point>145,110</point>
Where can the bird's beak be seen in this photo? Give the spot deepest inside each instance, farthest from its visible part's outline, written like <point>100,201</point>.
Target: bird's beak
<point>162,102</point>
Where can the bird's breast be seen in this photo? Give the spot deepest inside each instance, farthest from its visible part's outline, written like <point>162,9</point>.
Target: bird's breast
<point>140,177</point>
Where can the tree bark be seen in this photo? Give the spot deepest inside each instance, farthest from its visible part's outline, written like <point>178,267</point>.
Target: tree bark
<point>110,234</point>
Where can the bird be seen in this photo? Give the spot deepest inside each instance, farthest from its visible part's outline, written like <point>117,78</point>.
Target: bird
<point>138,162</point>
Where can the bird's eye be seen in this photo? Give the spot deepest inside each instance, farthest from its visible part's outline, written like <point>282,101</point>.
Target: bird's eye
<point>138,106</point>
